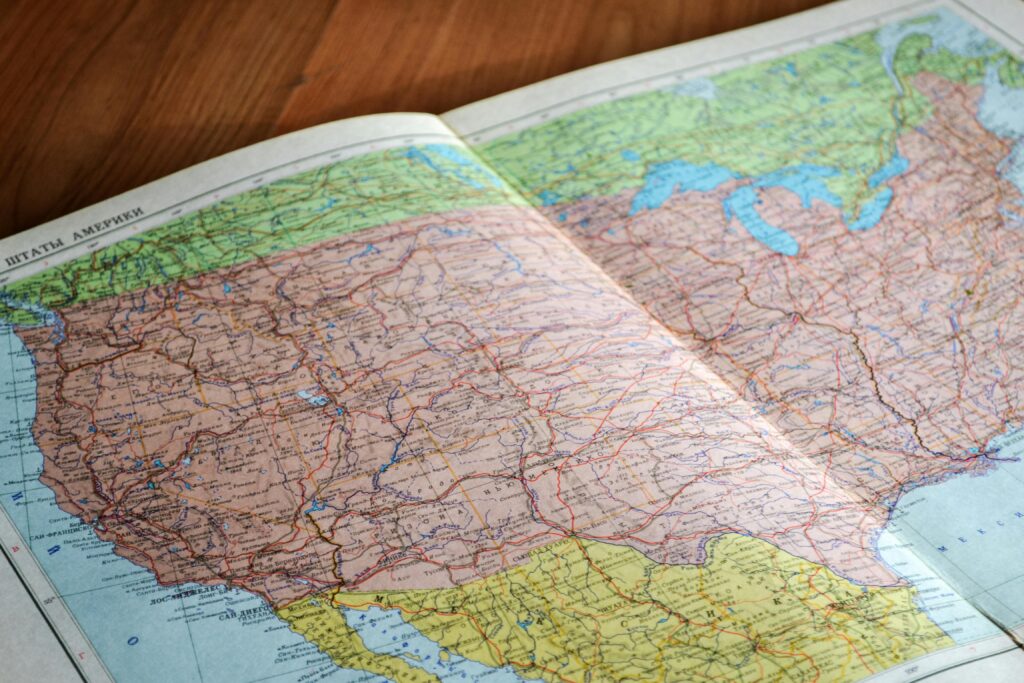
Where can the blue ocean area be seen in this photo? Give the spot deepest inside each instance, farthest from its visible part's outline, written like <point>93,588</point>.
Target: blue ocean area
<point>940,601</point>
<point>141,630</point>
<point>967,529</point>
<point>385,632</point>
<point>1000,111</point>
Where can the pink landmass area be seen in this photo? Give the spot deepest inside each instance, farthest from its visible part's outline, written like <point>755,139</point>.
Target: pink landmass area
<point>416,405</point>
<point>886,355</point>
<point>420,404</point>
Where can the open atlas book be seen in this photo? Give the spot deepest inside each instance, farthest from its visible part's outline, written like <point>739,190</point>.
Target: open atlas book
<point>706,364</point>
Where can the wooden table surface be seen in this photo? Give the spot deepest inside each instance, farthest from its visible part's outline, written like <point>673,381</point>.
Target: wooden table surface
<point>100,96</point>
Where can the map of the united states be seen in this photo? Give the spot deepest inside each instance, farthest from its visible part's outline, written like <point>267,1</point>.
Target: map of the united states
<point>629,395</point>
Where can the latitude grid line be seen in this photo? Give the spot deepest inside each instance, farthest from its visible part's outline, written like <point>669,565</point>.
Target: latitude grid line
<point>28,546</point>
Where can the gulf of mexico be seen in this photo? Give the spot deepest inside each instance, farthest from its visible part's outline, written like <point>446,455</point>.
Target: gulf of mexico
<point>970,531</point>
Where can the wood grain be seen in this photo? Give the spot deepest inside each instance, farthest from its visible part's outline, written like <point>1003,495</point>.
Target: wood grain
<point>100,96</point>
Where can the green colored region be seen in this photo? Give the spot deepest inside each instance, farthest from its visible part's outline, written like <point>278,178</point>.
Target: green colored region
<point>917,54</point>
<point>326,202</point>
<point>1011,73</point>
<point>834,106</point>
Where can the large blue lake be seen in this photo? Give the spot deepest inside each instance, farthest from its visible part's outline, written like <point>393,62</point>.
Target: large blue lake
<point>807,181</point>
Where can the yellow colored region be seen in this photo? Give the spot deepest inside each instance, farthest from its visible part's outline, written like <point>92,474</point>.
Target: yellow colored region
<point>325,627</point>
<point>590,611</point>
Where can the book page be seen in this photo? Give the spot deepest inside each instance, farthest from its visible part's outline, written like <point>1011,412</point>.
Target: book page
<point>371,416</point>
<point>345,359</point>
<point>74,606</point>
<point>347,406</point>
<point>828,210</point>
